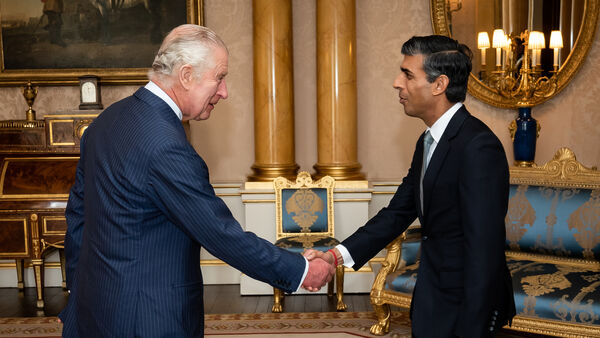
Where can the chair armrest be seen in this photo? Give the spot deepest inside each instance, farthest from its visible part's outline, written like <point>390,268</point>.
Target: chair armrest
<point>392,257</point>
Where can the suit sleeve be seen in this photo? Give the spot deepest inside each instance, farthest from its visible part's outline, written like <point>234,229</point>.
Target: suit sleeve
<point>389,223</point>
<point>74,213</point>
<point>180,187</point>
<point>483,195</point>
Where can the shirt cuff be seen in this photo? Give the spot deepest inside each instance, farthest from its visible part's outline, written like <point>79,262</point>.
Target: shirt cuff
<point>348,261</point>
<point>304,275</point>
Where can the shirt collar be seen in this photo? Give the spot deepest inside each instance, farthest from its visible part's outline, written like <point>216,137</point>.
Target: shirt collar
<point>438,128</point>
<point>156,90</point>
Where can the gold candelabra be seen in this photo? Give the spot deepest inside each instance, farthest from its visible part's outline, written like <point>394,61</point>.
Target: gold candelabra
<point>519,76</point>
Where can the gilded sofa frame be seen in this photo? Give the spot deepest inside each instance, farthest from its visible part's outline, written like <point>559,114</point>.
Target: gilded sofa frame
<point>562,171</point>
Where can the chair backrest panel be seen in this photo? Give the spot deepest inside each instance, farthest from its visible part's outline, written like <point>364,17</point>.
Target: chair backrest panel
<point>304,210</point>
<point>304,207</point>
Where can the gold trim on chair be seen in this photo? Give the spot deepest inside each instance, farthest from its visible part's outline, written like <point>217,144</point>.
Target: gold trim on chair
<point>303,184</point>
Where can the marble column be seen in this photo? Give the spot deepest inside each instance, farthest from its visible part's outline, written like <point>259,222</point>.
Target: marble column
<point>336,91</point>
<point>273,91</point>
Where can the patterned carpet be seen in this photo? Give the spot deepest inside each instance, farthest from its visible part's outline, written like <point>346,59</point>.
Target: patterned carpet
<point>253,325</point>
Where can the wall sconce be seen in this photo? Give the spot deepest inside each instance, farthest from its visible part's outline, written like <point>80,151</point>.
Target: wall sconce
<point>556,43</point>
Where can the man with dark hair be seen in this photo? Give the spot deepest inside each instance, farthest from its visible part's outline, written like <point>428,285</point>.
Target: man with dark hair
<point>457,185</point>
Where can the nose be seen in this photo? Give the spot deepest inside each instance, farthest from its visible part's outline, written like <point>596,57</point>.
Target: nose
<point>398,82</point>
<point>222,90</point>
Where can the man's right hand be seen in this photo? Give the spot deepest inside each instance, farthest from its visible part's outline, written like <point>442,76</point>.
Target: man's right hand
<point>319,273</point>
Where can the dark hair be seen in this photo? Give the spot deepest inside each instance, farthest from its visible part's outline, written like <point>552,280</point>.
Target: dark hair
<point>443,56</point>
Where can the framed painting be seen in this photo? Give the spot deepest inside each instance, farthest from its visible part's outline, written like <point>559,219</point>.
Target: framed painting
<point>54,42</point>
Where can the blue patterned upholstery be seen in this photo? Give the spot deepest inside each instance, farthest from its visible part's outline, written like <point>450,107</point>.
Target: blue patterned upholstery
<point>558,291</point>
<point>302,242</point>
<point>554,221</point>
<point>304,210</point>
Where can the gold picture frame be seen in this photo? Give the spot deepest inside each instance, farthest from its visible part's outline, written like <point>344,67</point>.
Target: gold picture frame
<point>20,75</point>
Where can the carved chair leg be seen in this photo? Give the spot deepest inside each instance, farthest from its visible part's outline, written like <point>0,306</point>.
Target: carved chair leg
<point>339,279</point>
<point>383,314</point>
<point>277,300</point>
<point>20,263</point>
<point>38,272</point>
<point>61,254</point>
<point>330,288</point>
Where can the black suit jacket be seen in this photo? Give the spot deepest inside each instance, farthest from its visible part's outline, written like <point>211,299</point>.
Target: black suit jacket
<point>463,286</point>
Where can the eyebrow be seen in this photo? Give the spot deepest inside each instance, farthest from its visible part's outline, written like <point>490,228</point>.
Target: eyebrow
<point>406,71</point>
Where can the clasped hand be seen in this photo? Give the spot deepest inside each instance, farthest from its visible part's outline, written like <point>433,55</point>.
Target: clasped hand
<point>321,269</point>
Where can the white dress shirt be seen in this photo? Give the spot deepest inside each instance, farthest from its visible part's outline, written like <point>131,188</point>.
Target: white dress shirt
<point>156,90</point>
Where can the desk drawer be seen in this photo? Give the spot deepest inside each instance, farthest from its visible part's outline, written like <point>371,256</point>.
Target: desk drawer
<point>14,236</point>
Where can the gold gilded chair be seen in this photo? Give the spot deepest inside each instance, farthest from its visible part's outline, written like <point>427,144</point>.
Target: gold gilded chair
<point>304,220</point>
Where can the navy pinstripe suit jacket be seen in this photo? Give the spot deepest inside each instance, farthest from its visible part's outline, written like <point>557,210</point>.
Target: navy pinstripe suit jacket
<point>138,213</point>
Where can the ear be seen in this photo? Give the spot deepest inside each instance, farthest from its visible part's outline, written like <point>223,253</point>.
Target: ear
<point>439,85</point>
<point>186,76</point>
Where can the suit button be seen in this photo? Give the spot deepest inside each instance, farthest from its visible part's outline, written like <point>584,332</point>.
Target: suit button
<point>493,322</point>
<point>424,238</point>
<point>491,328</point>
<point>496,312</point>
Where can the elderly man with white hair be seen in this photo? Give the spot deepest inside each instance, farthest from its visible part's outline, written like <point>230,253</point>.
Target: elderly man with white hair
<point>142,206</point>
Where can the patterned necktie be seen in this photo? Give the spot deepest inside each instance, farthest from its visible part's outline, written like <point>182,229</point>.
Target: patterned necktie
<point>427,141</point>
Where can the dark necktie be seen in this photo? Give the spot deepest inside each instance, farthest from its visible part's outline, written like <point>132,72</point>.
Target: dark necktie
<point>427,141</point>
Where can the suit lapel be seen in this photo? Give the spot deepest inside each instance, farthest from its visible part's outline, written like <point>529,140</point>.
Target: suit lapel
<point>439,155</point>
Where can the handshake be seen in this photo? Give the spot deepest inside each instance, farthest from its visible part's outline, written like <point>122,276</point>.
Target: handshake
<point>321,268</point>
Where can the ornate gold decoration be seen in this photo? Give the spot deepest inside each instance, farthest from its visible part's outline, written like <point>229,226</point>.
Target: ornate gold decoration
<point>586,219</point>
<point>21,124</point>
<point>520,214</point>
<point>568,70</point>
<point>29,93</point>
<point>378,292</point>
<point>303,181</point>
<point>304,205</point>
<point>562,171</point>
<point>35,237</point>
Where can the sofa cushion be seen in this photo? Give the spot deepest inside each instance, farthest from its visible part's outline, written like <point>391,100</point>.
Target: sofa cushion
<point>558,291</point>
<point>554,221</point>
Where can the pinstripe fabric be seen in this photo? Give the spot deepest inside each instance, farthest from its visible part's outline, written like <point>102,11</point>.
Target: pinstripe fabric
<point>134,268</point>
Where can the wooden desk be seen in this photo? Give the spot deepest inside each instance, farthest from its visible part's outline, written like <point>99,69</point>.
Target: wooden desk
<point>38,160</point>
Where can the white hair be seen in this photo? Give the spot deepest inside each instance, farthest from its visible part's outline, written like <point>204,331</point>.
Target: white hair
<point>185,45</point>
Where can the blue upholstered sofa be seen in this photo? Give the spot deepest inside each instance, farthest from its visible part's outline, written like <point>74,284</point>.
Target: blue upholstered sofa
<point>552,249</point>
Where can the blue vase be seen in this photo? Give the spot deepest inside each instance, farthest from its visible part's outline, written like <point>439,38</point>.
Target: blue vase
<point>525,137</point>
